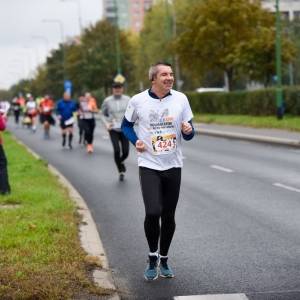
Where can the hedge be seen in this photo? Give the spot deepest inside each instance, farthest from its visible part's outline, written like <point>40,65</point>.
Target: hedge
<point>256,103</point>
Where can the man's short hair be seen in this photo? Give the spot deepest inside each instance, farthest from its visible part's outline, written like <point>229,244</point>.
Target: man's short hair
<point>153,69</point>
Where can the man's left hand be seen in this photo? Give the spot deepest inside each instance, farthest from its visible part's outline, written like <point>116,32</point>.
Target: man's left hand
<point>186,127</point>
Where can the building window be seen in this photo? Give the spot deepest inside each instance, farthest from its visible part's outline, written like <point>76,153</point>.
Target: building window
<point>136,4</point>
<point>136,13</point>
<point>297,14</point>
<point>123,4</point>
<point>147,4</point>
<point>137,24</point>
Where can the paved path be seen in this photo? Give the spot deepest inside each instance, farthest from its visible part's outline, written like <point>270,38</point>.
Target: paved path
<point>237,219</point>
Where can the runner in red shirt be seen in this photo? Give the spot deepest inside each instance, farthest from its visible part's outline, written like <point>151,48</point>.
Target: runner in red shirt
<point>46,108</point>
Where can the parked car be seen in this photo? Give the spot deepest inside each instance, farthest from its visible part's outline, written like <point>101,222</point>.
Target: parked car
<point>202,89</point>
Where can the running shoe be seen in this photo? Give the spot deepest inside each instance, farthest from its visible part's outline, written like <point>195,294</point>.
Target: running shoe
<point>121,176</point>
<point>165,270</point>
<point>70,146</point>
<point>123,166</point>
<point>151,272</point>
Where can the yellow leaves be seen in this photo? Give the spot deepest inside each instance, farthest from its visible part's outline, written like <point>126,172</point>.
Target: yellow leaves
<point>32,226</point>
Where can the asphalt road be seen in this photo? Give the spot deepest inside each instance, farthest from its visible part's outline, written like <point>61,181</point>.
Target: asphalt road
<point>238,217</point>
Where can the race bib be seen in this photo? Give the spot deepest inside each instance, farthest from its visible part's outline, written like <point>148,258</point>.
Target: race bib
<point>116,123</point>
<point>46,108</point>
<point>70,121</point>
<point>163,144</point>
<point>88,115</point>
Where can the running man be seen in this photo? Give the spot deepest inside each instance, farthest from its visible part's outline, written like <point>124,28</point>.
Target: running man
<point>16,108</point>
<point>88,109</point>
<point>46,107</point>
<point>65,110</point>
<point>112,112</point>
<point>164,116</point>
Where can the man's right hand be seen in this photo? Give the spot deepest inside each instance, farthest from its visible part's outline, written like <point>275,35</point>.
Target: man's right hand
<point>108,127</point>
<point>140,146</point>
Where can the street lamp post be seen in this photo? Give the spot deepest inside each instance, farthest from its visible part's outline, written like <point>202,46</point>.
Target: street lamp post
<point>82,48</point>
<point>63,45</point>
<point>22,65</point>
<point>29,63</point>
<point>278,64</point>
<point>168,28</point>
<point>36,52</point>
<point>42,38</point>
<point>118,52</point>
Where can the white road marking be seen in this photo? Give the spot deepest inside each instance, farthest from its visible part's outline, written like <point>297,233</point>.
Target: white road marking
<point>221,169</point>
<point>214,297</point>
<point>290,188</point>
<point>106,137</point>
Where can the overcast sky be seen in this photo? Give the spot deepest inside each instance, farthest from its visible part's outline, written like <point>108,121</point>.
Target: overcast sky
<point>20,20</point>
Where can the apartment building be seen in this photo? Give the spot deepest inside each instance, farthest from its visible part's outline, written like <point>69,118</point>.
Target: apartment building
<point>290,8</point>
<point>130,13</point>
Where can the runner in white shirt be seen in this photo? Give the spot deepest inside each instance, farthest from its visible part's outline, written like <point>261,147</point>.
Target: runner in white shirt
<point>164,116</point>
<point>31,112</point>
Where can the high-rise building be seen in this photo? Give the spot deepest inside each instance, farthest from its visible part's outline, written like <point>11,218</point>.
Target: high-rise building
<point>290,8</point>
<point>130,13</point>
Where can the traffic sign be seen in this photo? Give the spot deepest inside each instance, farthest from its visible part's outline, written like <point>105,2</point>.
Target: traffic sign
<point>119,78</point>
<point>68,86</point>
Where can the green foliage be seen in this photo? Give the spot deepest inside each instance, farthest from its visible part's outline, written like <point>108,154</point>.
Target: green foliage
<point>216,31</point>
<point>255,103</point>
<point>4,94</point>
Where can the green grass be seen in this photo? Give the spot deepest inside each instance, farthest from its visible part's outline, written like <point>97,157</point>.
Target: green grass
<point>40,252</point>
<point>290,123</point>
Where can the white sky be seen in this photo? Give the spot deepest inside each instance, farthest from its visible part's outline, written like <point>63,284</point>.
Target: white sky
<point>20,20</point>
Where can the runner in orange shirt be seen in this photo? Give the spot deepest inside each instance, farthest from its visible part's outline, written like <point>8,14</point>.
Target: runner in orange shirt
<point>46,108</point>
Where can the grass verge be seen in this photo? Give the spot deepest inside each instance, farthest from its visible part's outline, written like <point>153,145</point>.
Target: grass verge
<point>291,123</point>
<point>40,252</point>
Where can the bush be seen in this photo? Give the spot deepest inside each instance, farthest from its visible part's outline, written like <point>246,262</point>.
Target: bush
<point>255,103</point>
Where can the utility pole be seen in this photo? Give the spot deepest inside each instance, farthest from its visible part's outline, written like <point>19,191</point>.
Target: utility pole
<point>168,28</point>
<point>278,64</point>
<point>83,54</point>
<point>118,52</point>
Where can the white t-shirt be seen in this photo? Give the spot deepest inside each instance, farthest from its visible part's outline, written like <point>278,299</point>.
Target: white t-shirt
<point>31,106</point>
<point>159,123</point>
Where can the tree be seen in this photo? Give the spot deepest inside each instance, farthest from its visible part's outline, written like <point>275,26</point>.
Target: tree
<point>100,44</point>
<point>214,32</point>
<point>258,58</point>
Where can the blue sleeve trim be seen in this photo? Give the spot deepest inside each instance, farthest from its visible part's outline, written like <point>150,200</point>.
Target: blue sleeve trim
<point>127,128</point>
<point>188,137</point>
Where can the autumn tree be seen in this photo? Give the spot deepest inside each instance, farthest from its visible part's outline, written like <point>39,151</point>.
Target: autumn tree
<point>215,31</point>
<point>258,57</point>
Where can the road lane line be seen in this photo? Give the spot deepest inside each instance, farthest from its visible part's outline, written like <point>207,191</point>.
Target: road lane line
<point>221,169</point>
<point>290,188</point>
<point>214,297</point>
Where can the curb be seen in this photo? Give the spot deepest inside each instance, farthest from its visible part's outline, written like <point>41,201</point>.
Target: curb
<point>250,137</point>
<point>89,236</point>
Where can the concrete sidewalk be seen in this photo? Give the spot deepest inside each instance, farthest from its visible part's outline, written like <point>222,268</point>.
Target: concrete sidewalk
<point>274,136</point>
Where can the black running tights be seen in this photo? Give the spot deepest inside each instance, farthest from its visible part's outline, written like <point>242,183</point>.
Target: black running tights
<point>160,191</point>
<point>88,126</point>
<point>117,138</point>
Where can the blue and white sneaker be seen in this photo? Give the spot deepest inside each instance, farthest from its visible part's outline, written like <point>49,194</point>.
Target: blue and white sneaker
<point>151,272</point>
<point>165,270</point>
